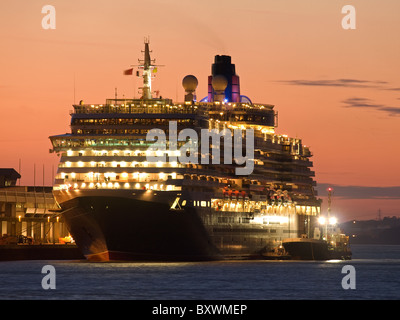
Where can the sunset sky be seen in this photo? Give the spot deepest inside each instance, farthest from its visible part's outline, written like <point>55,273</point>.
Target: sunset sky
<point>338,90</point>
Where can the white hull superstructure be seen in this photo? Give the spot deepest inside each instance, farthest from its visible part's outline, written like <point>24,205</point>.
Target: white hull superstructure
<point>119,203</point>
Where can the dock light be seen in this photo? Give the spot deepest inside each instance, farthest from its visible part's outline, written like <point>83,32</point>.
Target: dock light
<point>321,220</point>
<point>332,220</point>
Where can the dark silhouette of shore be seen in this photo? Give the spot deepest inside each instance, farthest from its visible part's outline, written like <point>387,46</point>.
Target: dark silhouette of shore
<point>380,231</point>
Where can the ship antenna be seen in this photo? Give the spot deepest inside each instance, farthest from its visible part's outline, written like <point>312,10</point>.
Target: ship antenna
<point>147,66</point>
<point>329,211</point>
<point>329,201</point>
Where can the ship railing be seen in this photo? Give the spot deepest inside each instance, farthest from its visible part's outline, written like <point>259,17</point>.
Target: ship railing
<point>164,106</point>
<point>118,185</point>
<point>252,207</point>
<point>216,106</point>
<point>199,183</point>
<point>131,108</point>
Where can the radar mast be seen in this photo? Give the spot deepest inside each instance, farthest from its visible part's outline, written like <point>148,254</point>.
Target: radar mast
<point>148,68</point>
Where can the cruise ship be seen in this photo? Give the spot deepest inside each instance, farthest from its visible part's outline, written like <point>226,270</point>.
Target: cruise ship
<point>125,195</point>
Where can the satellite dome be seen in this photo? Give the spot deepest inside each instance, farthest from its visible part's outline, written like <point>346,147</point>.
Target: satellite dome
<point>190,83</point>
<point>219,83</point>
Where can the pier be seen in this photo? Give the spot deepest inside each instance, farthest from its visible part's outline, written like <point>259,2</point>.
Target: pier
<point>31,225</point>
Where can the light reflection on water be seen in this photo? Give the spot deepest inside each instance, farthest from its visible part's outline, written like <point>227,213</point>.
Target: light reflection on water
<point>377,277</point>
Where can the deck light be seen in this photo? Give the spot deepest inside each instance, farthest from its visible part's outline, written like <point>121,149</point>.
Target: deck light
<point>332,220</point>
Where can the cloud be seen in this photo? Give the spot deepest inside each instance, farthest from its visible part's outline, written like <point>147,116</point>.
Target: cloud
<point>348,83</point>
<point>394,111</point>
<point>366,103</point>
<point>361,103</point>
<point>359,192</point>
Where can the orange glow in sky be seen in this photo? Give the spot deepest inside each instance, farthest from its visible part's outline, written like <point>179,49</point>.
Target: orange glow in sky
<point>338,90</point>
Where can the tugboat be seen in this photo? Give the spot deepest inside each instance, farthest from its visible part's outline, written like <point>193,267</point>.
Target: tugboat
<point>334,245</point>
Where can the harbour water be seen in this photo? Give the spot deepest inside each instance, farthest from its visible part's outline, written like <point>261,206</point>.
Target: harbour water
<point>377,276</point>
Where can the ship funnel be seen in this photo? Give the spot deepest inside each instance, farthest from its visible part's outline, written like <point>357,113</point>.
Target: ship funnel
<point>190,83</point>
<point>219,84</point>
<point>223,66</point>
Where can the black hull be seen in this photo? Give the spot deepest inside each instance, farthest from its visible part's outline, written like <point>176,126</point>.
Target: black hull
<point>141,225</point>
<point>310,249</point>
<point>114,228</point>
